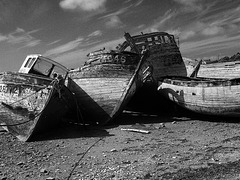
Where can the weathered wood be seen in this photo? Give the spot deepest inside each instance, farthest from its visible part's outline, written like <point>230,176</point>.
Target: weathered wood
<point>31,104</point>
<point>108,80</point>
<point>196,69</point>
<point>220,70</point>
<point>136,130</point>
<point>165,57</point>
<point>203,95</point>
<point>104,89</point>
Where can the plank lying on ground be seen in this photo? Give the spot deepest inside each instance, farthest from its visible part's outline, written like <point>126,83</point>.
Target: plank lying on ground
<point>136,130</point>
<point>2,129</point>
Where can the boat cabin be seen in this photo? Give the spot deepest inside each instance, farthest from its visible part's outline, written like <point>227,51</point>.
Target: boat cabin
<point>39,65</point>
<point>147,40</point>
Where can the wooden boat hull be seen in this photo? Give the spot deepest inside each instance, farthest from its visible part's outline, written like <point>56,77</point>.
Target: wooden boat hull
<point>31,105</point>
<point>220,70</point>
<point>103,90</point>
<point>164,58</point>
<point>203,95</point>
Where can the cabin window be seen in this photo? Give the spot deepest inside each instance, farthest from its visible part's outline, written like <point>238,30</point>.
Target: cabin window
<point>157,40</point>
<point>167,39</point>
<point>162,39</point>
<point>42,67</point>
<point>58,71</point>
<point>27,62</point>
<point>31,62</point>
<point>149,39</point>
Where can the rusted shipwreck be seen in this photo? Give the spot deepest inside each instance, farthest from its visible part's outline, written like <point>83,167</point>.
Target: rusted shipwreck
<point>34,99</point>
<point>210,96</point>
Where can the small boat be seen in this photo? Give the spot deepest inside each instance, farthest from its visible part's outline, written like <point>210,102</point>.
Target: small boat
<point>210,96</point>
<point>107,81</point>
<point>34,99</point>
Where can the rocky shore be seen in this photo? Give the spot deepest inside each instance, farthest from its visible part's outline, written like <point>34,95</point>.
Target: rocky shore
<point>176,147</point>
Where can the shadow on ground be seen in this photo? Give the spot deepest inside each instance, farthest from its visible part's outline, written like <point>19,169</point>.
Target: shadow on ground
<point>175,113</point>
<point>73,131</point>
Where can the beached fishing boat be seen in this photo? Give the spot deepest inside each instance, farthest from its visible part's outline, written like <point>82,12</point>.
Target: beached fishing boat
<point>34,99</point>
<point>107,81</point>
<point>220,70</point>
<point>226,67</point>
<point>209,96</point>
<point>165,58</point>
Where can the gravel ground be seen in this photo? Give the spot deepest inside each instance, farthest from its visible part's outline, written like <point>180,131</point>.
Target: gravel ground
<point>176,147</point>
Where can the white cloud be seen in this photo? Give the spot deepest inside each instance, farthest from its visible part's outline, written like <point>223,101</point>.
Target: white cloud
<point>113,22</point>
<point>159,22</point>
<point>64,48</point>
<point>182,35</point>
<point>85,5</point>
<point>18,39</point>
<point>237,20</point>
<point>21,37</point>
<point>190,5</point>
<point>32,43</point>
<point>212,30</point>
<point>54,42</point>
<point>210,44</point>
<point>134,2</point>
<point>175,32</point>
<point>187,34</point>
<point>95,33</point>
<point>139,3</point>
<point>77,57</point>
<point>217,17</point>
<point>117,13</point>
<point>18,30</point>
<point>2,38</point>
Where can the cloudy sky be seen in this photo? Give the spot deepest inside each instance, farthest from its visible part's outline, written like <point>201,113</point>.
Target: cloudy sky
<point>66,30</point>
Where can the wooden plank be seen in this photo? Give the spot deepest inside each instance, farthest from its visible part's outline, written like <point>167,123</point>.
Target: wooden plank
<point>135,130</point>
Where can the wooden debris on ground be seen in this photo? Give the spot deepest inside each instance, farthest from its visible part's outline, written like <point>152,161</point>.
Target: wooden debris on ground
<point>135,130</point>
